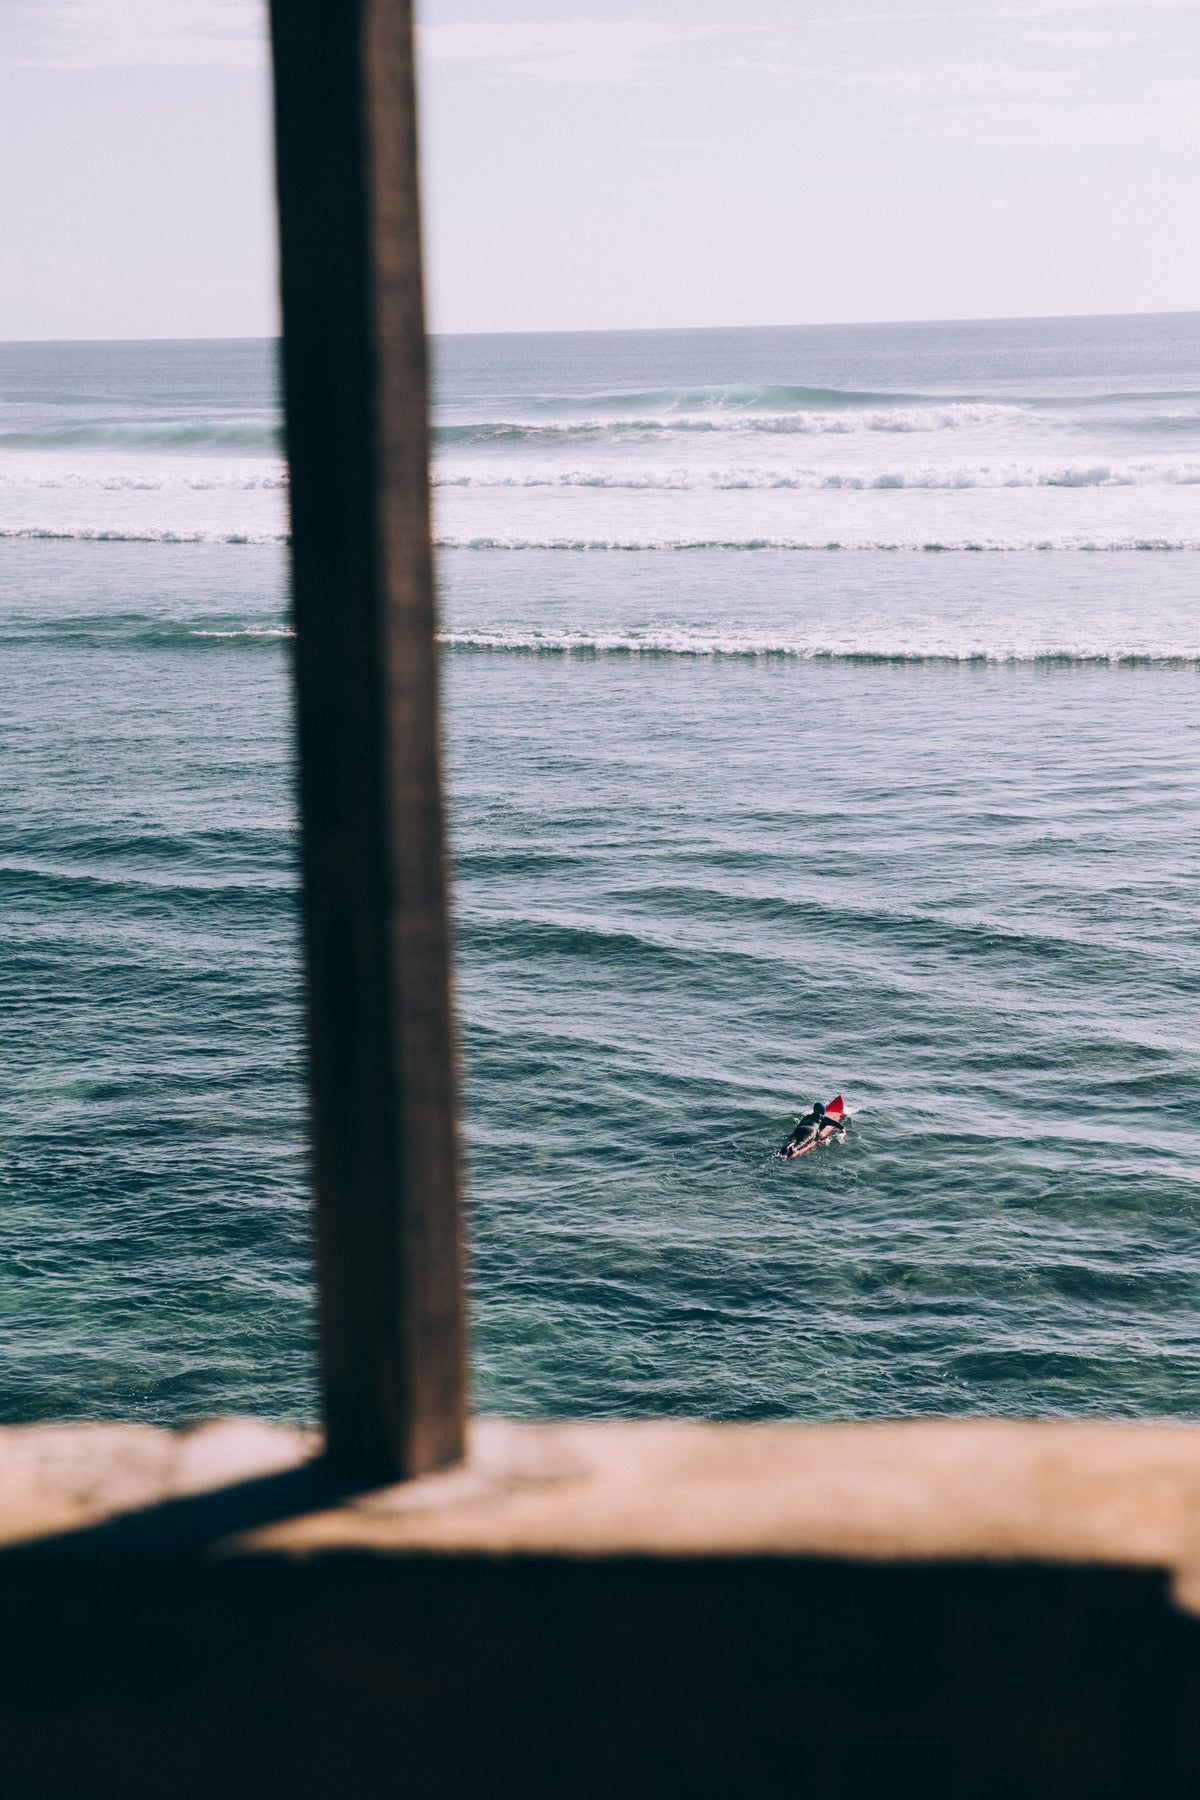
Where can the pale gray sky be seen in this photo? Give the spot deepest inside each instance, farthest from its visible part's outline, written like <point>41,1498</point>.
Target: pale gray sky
<point>664,162</point>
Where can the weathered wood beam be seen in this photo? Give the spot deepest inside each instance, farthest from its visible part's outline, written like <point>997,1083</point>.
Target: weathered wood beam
<point>381,1043</point>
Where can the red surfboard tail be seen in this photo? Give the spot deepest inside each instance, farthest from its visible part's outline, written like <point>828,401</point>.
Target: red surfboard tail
<point>835,1106</point>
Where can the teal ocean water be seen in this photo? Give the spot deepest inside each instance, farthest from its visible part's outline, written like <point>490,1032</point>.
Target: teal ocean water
<point>821,714</point>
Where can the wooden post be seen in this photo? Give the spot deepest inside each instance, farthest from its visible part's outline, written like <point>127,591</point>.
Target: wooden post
<point>381,1043</point>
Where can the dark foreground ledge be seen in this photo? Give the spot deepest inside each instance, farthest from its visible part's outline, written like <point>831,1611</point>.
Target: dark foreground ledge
<point>928,1609</point>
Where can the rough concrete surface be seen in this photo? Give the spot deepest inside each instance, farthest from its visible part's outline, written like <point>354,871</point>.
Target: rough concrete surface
<point>928,1489</point>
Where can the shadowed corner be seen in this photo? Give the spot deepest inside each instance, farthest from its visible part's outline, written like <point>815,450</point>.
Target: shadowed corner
<point>192,1524</point>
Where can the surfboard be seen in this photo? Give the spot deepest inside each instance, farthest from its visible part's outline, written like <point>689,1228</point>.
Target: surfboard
<point>835,1118</point>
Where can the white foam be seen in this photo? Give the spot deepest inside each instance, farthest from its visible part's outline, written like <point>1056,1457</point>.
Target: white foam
<point>137,535</point>
<point>136,481</point>
<point>731,480</point>
<point>1066,541</point>
<point>247,631</point>
<point>934,645</point>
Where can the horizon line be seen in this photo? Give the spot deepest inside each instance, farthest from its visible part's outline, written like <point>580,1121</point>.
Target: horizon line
<point>644,330</point>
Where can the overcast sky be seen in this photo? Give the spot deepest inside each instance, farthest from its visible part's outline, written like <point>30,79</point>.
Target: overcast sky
<point>664,162</point>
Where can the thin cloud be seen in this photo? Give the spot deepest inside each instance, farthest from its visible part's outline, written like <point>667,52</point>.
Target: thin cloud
<point>121,34</point>
<point>685,145</point>
<point>752,65</point>
<point>968,80</point>
<point>893,18</point>
<point>581,51</point>
<point>1080,37</point>
<point>1164,115</point>
<point>1051,9</point>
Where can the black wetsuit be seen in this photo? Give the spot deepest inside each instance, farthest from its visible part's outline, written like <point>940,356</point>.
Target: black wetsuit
<point>812,1125</point>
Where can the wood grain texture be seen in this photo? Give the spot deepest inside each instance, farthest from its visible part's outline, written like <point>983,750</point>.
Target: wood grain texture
<point>381,1042</point>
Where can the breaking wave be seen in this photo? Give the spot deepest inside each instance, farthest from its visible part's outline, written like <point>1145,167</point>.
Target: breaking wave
<point>684,642</point>
<point>946,417</point>
<point>680,645</point>
<point>731,396</point>
<point>136,631</point>
<point>786,397</point>
<point>264,436</point>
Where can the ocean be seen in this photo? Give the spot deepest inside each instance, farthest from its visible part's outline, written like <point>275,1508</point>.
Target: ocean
<point>821,716</point>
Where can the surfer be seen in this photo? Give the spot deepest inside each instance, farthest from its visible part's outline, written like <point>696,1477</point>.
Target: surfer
<point>813,1128</point>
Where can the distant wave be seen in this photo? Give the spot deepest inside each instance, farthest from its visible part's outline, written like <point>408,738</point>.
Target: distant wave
<point>1166,424</point>
<point>950,416</point>
<point>239,631</point>
<point>136,631</point>
<point>446,541</point>
<point>98,480</point>
<point>1123,397</point>
<point>948,545</point>
<point>1093,473</point>
<point>1097,473</point>
<point>687,643</point>
<point>137,534</point>
<point>790,397</point>
<point>744,397</point>
<point>262,435</point>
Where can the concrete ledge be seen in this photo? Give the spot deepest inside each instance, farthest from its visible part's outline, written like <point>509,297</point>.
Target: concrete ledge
<point>875,1612</point>
<point>1083,1493</point>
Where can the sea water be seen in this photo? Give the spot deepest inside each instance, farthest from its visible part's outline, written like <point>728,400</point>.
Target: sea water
<point>821,715</point>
